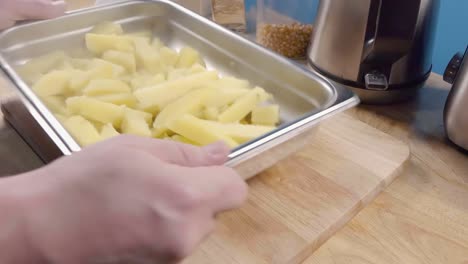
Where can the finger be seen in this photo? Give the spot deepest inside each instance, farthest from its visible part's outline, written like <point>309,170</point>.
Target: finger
<point>219,188</point>
<point>5,21</point>
<point>39,9</point>
<point>178,153</point>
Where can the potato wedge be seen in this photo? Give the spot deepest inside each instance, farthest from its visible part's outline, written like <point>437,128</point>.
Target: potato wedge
<point>56,104</point>
<point>188,57</point>
<point>106,86</point>
<point>124,59</point>
<point>191,103</point>
<point>239,132</point>
<point>195,130</point>
<point>139,114</point>
<point>266,115</point>
<point>126,99</point>
<point>53,83</point>
<point>82,130</point>
<point>135,124</point>
<point>168,56</point>
<point>99,43</point>
<point>141,81</point>
<point>101,69</point>
<point>241,107</point>
<point>161,95</point>
<point>108,131</point>
<point>32,70</point>
<point>96,110</point>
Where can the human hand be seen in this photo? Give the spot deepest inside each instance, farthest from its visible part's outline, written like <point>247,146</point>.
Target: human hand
<point>12,11</point>
<point>126,200</point>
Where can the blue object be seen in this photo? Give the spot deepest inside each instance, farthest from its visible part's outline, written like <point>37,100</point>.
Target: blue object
<point>451,35</point>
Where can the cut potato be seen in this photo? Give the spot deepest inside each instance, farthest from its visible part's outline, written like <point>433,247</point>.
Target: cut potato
<point>106,86</point>
<point>99,43</point>
<point>239,132</point>
<point>53,83</point>
<point>135,124</point>
<point>168,56</point>
<point>141,81</point>
<point>135,84</point>
<point>32,71</point>
<point>56,104</point>
<point>148,57</point>
<point>104,69</point>
<point>211,113</point>
<point>188,104</point>
<point>161,95</point>
<point>96,110</point>
<point>124,59</point>
<point>126,99</point>
<point>82,130</point>
<point>139,114</point>
<point>108,131</point>
<point>79,80</point>
<point>195,130</point>
<point>175,74</point>
<point>107,28</point>
<point>225,97</point>
<point>188,57</point>
<point>241,107</point>
<point>157,44</point>
<point>266,115</point>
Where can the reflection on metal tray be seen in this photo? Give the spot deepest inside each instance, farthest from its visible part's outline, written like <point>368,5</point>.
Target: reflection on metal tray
<point>305,98</point>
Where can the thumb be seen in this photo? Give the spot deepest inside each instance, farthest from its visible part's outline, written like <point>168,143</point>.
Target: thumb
<point>177,153</point>
<point>39,9</point>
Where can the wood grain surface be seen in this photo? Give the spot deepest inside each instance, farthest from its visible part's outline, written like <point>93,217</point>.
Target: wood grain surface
<point>423,216</point>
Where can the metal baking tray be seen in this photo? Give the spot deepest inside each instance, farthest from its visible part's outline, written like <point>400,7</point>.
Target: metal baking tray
<point>304,96</point>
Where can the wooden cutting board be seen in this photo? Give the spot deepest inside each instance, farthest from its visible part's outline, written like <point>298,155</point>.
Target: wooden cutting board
<point>301,202</point>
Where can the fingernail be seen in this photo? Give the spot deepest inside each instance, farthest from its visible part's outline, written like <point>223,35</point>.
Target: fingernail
<point>217,150</point>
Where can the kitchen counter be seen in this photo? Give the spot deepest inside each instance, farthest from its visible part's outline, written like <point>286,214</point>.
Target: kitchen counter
<point>421,218</point>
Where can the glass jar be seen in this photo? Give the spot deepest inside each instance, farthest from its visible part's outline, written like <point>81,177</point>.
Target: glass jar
<point>286,26</point>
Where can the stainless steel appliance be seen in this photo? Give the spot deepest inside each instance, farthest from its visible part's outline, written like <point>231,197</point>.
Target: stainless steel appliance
<point>382,49</point>
<point>456,116</point>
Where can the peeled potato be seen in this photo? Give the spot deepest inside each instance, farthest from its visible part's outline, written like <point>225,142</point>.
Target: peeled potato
<point>53,83</point>
<point>241,107</point>
<point>126,99</point>
<point>163,94</point>
<point>124,59</point>
<point>99,43</point>
<point>135,124</point>
<point>82,130</point>
<point>188,104</point>
<point>106,86</point>
<point>188,57</point>
<point>108,131</point>
<point>195,130</point>
<point>96,110</point>
<point>266,115</point>
<point>134,84</point>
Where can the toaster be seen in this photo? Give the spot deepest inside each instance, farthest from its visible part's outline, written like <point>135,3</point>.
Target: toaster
<point>456,108</point>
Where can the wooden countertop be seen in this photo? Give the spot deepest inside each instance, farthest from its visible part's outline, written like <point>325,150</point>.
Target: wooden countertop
<point>421,218</point>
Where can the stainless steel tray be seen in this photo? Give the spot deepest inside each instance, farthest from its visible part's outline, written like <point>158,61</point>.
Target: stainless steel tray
<point>305,97</point>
